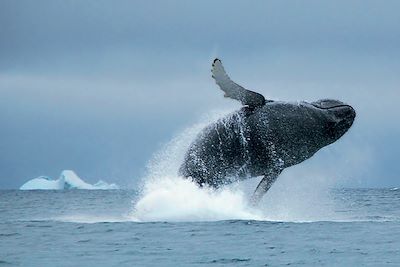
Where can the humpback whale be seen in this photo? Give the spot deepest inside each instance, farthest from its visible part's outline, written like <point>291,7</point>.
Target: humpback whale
<point>262,138</point>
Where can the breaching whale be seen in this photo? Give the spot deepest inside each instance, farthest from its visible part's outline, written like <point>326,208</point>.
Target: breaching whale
<point>262,138</point>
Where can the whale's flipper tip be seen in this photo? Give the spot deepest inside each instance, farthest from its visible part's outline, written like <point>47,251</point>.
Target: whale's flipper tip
<point>232,89</point>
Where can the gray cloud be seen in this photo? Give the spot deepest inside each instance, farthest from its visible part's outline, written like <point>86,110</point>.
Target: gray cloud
<point>98,86</point>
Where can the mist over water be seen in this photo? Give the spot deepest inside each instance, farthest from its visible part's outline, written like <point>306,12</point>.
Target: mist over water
<point>165,196</point>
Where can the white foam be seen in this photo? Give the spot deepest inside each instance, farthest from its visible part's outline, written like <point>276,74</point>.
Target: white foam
<point>176,199</point>
<point>84,218</point>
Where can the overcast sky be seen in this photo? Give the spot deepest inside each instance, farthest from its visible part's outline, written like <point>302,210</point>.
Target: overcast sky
<point>99,86</point>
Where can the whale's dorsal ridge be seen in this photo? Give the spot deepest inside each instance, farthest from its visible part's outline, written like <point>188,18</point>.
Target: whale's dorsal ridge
<point>232,89</point>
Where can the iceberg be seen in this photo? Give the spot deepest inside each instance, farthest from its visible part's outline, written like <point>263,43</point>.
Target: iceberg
<point>43,182</point>
<point>68,180</point>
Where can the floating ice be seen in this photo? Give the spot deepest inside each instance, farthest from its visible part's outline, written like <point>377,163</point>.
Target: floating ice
<point>68,180</point>
<point>44,183</point>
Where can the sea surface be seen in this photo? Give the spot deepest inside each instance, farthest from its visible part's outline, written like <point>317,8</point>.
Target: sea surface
<point>304,219</point>
<point>352,227</point>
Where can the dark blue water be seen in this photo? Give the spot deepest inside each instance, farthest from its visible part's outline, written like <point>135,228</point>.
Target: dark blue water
<point>99,228</point>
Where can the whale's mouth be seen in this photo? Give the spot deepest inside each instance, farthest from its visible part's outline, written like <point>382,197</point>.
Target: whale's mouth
<point>334,107</point>
<point>330,104</point>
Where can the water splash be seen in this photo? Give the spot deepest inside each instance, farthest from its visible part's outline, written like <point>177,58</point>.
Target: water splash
<point>296,196</point>
<point>168,197</point>
<point>177,199</point>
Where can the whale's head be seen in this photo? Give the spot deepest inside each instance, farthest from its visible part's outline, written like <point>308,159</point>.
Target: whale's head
<point>338,116</point>
<point>300,129</point>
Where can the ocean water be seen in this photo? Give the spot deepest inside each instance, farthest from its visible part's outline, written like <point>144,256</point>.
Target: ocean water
<point>122,228</point>
<point>170,221</point>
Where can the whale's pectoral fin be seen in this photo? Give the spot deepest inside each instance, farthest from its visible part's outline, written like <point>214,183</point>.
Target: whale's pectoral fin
<point>232,89</point>
<point>264,185</point>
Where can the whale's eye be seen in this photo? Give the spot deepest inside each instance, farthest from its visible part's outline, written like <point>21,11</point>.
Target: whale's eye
<point>327,103</point>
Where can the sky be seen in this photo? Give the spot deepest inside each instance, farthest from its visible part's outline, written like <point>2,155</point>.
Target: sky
<point>99,86</point>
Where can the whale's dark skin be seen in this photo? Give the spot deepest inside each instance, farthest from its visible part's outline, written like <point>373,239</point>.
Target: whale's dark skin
<point>262,138</point>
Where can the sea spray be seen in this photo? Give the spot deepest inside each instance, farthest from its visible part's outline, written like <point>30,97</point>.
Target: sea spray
<point>165,196</point>
<point>177,199</point>
<point>300,196</point>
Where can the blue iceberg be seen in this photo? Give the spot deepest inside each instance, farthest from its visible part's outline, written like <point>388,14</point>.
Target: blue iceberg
<point>68,180</point>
